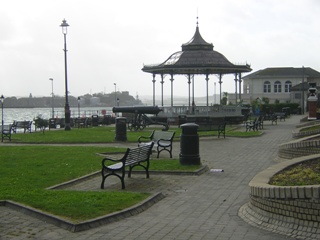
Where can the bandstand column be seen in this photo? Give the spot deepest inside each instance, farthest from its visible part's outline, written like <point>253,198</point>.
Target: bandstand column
<point>171,90</point>
<point>189,97</point>
<point>236,85</point>
<point>220,83</point>
<point>162,82</point>
<point>154,89</point>
<point>193,103</point>
<point>207,90</point>
<point>240,80</point>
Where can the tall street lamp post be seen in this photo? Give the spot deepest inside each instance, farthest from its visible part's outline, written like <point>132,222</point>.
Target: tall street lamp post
<point>51,79</point>
<point>64,25</point>
<point>2,99</point>
<point>78,107</point>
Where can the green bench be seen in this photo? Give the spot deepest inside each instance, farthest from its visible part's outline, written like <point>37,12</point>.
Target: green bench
<point>133,157</point>
<point>162,141</point>
<point>6,131</point>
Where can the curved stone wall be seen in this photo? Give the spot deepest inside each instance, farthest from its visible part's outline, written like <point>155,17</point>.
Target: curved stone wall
<point>299,133</point>
<point>301,147</point>
<point>292,210</point>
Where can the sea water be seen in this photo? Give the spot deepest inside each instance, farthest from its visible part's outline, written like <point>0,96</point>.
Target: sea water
<point>29,114</point>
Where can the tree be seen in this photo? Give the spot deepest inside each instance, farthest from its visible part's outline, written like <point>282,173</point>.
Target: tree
<point>41,123</point>
<point>224,99</point>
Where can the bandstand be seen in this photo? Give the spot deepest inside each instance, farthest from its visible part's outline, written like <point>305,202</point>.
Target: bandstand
<point>197,57</point>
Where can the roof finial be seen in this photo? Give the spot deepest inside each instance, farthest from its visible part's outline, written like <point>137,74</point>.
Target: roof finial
<point>197,18</point>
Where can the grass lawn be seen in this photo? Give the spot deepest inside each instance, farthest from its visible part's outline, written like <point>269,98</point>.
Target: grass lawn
<point>26,172</point>
<point>106,134</point>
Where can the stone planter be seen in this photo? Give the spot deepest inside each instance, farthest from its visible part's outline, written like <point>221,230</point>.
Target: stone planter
<point>292,210</point>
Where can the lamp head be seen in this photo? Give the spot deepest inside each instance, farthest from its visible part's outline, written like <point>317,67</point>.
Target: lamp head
<point>2,98</point>
<point>64,25</point>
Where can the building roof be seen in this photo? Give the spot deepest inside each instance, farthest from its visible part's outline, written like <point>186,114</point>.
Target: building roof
<point>301,87</point>
<point>197,57</point>
<point>284,72</point>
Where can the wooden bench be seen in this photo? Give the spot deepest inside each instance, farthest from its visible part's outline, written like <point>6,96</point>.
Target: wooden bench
<point>252,125</point>
<point>271,117</point>
<point>281,115</point>
<point>209,123</point>
<point>82,122</point>
<point>161,139</point>
<point>219,126</point>
<point>25,125</point>
<point>255,125</point>
<point>6,131</point>
<point>133,157</point>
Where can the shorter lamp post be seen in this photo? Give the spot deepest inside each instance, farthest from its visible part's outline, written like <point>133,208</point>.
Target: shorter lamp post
<point>78,107</point>
<point>2,99</point>
<point>115,94</point>
<point>51,79</point>
<point>118,101</point>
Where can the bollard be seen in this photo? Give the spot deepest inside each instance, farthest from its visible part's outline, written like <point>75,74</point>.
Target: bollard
<point>121,129</point>
<point>189,144</point>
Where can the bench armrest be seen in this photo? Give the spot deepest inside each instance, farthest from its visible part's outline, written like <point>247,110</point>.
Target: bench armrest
<point>163,142</point>
<point>105,160</point>
<point>144,139</point>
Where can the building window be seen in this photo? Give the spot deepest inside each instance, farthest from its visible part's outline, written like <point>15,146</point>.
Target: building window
<point>277,87</point>
<point>287,86</point>
<point>266,87</point>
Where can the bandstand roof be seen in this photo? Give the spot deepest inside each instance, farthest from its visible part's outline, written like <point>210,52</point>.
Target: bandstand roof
<point>197,57</point>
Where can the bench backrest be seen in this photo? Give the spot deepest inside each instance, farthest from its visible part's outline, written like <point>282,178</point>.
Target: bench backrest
<point>139,154</point>
<point>6,128</point>
<point>22,123</point>
<point>164,135</point>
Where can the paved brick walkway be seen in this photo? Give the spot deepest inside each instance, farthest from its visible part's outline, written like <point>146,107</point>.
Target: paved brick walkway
<point>195,207</point>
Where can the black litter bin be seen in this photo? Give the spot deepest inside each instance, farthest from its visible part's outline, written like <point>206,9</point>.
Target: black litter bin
<point>52,123</point>
<point>121,129</point>
<point>94,120</point>
<point>189,144</point>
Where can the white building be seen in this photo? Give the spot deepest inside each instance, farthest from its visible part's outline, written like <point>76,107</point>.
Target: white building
<point>276,84</point>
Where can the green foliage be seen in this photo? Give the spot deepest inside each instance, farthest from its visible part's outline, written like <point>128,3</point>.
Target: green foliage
<point>310,129</point>
<point>41,123</point>
<point>306,173</point>
<point>269,108</point>
<point>265,100</point>
<point>224,99</point>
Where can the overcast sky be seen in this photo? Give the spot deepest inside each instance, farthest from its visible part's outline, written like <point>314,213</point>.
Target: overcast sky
<point>109,41</point>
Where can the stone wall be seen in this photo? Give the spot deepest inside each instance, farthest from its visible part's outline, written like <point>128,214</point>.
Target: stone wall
<point>301,147</point>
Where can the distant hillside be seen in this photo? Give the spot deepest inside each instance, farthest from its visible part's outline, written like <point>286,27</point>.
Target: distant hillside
<point>95,100</point>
